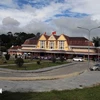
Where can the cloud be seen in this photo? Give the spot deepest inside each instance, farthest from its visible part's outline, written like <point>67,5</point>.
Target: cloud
<point>37,26</point>
<point>90,7</point>
<point>69,26</point>
<point>42,16</point>
<point>10,21</point>
<point>22,16</point>
<point>64,25</point>
<point>8,4</point>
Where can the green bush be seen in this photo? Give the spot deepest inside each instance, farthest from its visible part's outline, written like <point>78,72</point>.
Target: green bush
<point>38,62</point>
<point>7,56</point>
<point>16,56</point>
<point>19,62</point>
<point>62,59</point>
<point>53,59</point>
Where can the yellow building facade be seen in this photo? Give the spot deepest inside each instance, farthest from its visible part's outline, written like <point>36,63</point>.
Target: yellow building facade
<point>47,45</point>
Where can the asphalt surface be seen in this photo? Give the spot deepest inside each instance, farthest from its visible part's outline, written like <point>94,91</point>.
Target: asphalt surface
<point>70,80</point>
<point>50,71</point>
<point>85,79</point>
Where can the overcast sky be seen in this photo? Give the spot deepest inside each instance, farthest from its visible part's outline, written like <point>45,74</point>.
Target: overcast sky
<point>62,16</point>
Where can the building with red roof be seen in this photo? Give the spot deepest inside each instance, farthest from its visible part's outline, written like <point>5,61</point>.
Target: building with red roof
<point>47,45</point>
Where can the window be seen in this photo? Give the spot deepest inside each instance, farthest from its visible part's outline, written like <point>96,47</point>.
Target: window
<point>51,45</point>
<point>61,45</point>
<point>42,44</point>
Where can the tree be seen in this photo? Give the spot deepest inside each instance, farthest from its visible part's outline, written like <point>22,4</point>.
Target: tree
<point>96,41</point>
<point>3,49</point>
<point>19,62</point>
<point>38,34</point>
<point>7,40</point>
<point>7,56</point>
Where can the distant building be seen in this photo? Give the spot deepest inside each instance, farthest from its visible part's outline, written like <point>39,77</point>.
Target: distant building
<point>57,45</point>
<point>15,50</point>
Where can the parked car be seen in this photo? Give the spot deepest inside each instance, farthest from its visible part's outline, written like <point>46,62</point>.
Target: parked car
<point>95,67</point>
<point>78,59</point>
<point>58,58</point>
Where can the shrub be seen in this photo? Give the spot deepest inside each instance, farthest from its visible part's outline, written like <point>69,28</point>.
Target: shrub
<point>53,59</point>
<point>19,62</point>
<point>16,56</point>
<point>7,56</point>
<point>38,62</point>
<point>62,59</point>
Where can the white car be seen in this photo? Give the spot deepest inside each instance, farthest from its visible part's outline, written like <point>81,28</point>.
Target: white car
<point>78,59</point>
<point>95,67</point>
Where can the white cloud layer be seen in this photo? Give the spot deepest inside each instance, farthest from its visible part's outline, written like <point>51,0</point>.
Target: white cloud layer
<point>32,19</point>
<point>10,21</point>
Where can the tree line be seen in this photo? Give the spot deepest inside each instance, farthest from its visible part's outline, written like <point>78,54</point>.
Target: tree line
<point>18,38</point>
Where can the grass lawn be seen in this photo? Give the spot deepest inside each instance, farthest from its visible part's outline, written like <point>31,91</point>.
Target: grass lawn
<point>92,93</point>
<point>12,61</point>
<point>33,65</point>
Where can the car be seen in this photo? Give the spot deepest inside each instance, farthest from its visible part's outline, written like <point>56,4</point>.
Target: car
<point>45,58</point>
<point>58,58</point>
<point>95,67</point>
<point>78,59</point>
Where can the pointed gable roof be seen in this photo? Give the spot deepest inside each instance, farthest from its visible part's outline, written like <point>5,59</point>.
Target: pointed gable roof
<point>66,37</point>
<point>46,36</point>
<point>43,37</point>
<point>56,36</point>
<point>53,36</point>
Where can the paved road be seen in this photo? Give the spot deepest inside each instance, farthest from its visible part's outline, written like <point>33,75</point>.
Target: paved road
<point>83,80</point>
<point>88,78</point>
<point>75,67</point>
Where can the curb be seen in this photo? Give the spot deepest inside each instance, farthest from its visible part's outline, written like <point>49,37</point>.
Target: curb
<point>36,71</point>
<point>41,77</point>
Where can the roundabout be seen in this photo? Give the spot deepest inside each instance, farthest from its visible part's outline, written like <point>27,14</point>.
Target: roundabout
<point>61,78</point>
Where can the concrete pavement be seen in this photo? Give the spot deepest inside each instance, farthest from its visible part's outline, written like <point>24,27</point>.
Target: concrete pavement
<point>42,73</point>
<point>85,79</point>
<point>76,77</point>
<point>41,77</point>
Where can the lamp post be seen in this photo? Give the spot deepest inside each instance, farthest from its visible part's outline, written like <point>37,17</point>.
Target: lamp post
<point>0,48</point>
<point>89,31</point>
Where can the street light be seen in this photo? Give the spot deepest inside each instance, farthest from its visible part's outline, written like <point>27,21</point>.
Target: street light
<point>89,31</point>
<point>0,49</point>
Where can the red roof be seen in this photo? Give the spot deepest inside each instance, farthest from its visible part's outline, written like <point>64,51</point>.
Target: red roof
<point>73,41</point>
<point>79,41</point>
<point>56,36</point>
<point>31,41</point>
<point>46,36</point>
<point>16,47</point>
